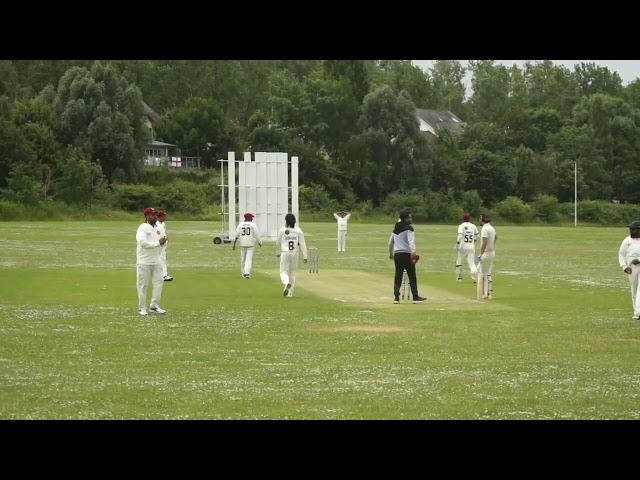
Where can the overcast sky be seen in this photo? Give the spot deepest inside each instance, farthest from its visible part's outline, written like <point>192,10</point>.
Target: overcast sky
<point>628,70</point>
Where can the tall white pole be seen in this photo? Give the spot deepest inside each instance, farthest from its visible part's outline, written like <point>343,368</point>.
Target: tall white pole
<point>575,191</point>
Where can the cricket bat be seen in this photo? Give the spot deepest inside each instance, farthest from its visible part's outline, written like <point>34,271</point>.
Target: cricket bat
<point>480,285</point>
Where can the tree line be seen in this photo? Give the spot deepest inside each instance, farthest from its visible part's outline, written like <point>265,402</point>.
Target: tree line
<point>73,131</point>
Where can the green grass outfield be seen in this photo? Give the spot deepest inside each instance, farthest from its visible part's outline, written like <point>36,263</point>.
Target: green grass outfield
<point>556,342</point>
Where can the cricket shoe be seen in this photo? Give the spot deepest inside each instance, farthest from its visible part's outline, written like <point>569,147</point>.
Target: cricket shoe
<point>143,312</point>
<point>157,310</point>
<point>167,278</point>
<point>635,317</point>
<point>396,300</point>
<point>285,292</point>
<point>419,299</point>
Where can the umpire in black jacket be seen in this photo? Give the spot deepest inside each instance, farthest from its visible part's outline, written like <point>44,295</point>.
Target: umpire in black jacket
<point>402,245</point>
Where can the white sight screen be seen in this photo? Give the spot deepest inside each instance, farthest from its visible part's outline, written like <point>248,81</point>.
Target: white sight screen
<point>264,188</point>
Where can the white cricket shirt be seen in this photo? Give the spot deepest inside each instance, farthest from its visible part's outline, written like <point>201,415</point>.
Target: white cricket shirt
<point>629,249</point>
<point>248,235</point>
<point>467,234</point>
<point>342,221</point>
<point>489,233</point>
<point>148,245</point>
<point>290,239</point>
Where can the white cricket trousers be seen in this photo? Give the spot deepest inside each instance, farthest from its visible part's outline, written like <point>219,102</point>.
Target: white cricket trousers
<point>634,283</point>
<point>163,259</point>
<point>144,274</point>
<point>486,267</point>
<point>342,240</point>
<point>468,254</point>
<point>246,260</point>
<point>288,267</point>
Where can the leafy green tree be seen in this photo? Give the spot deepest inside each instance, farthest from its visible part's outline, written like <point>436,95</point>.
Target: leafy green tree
<point>79,180</point>
<point>577,144</point>
<point>472,203</point>
<point>552,86</point>
<point>354,74</point>
<point>491,88</point>
<point>335,112</point>
<point>23,185</point>
<point>447,80</point>
<point>592,79</point>
<point>198,128</point>
<point>315,198</point>
<point>532,174</point>
<point>391,153</point>
<point>14,150</point>
<point>487,173</point>
<point>9,84</point>
<point>514,210</point>
<point>403,75</point>
<point>545,207</point>
<point>448,172</point>
<point>616,131</point>
<point>101,114</point>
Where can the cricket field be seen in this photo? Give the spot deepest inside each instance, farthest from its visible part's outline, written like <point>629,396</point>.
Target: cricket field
<point>556,342</point>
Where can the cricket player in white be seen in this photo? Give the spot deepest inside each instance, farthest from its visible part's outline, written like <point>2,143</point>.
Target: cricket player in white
<point>487,253</point>
<point>629,259</point>
<point>162,226</point>
<point>466,247</point>
<point>249,235</point>
<point>149,241</point>
<point>342,217</point>
<point>290,240</point>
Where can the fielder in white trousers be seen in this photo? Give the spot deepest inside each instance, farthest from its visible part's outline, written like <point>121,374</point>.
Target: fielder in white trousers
<point>288,267</point>
<point>342,219</point>
<point>486,267</point>
<point>468,253</point>
<point>629,259</point>
<point>163,260</point>
<point>144,273</point>
<point>246,260</point>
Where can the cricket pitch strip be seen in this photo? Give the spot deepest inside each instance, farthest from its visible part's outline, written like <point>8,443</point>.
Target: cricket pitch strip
<point>374,289</point>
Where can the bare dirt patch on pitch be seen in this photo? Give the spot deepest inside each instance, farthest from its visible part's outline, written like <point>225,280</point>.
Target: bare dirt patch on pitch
<point>360,328</point>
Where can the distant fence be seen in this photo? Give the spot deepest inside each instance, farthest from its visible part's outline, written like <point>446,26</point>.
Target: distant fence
<point>172,162</point>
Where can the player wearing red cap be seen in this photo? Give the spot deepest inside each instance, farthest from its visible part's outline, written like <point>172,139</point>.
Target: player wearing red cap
<point>466,246</point>
<point>149,240</point>
<point>249,235</point>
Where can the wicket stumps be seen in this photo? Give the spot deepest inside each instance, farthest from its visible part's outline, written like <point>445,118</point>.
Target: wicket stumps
<point>404,287</point>
<point>313,260</point>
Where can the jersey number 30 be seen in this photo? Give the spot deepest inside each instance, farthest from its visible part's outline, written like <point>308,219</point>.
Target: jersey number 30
<point>246,230</point>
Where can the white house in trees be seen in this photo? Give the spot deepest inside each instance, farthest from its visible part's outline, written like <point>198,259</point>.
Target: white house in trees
<point>432,120</point>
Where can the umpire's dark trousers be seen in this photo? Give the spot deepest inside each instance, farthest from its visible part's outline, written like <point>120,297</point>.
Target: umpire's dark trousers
<point>402,261</point>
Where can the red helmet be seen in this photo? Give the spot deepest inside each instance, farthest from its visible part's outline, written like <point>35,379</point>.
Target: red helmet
<point>248,216</point>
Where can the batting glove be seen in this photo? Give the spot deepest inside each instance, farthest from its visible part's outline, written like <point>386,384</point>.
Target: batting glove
<point>480,258</point>
<point>456,246</point>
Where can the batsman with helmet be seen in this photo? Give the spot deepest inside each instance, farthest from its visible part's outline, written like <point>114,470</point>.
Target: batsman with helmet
<point>629,259</point>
